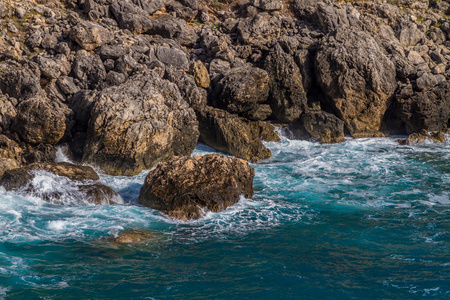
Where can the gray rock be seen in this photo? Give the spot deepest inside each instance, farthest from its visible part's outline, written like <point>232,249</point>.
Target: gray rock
<point>19,81</point>
<point>268,5</point>
<point>358,79</point>
<point>53,67</point>
<point>150,6</point>
<point>409,34</point>
<point>137,124</point>
<point>193,95</point>
<point>172,57</point>
<point>35,39</point>
<point>241,89</point>
<point>287,97</point>
<point>131,17</point>
<point>89,70</point>
<point>67,85</point>
<point>90,35</point>
<point>111,51</point>
<point>7,113</point>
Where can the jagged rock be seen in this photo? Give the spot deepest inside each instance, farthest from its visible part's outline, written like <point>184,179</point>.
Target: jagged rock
<point>196,97</point>
<point>229,134</point>
<point>19,81</point>
<point>67,85</point>
<point>82,182</point>
<point>10,154</point>
<point>268,5</point>
<point>422,137</point>
<point>135,125</point>
<point>287,97</point>
<point>150,6</point>
<point>409,34</point>
<point>90,35</point>
<point>241,89</point>
<point>201,75</point>
<point>429,110</point>
<point>7,113</point>
<point>131,17</point>
<point>89,70</point>
<point>358,79</point>
<point>111,52</point>
<point>323,126</point>
<point>185,187</point>
<point>259,112</point>
<point>52,67</point>
<point>172,57</point>
<point>40,120</point>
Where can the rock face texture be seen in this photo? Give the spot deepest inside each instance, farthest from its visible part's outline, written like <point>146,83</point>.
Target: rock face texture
<point>135,125</point>
<point>358,79</point>
<point>80,183</point>
<point>230,134</point>
<point>323,127</point>
<point>184,188</point>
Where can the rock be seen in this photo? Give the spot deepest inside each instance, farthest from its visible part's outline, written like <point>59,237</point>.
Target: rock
<point>358,79</point>
<point>409,34</point>
<point>7,113</point>
<point>150,6</point>
<point>19,81</point>
<point>201,75</point>
<point>194,96</point>
<point>259,112</point>
<point>172,57</point>
<point>90,35</point>
<point>287,97</point>
<point>422,137</point>
<point>35,39</point>
<point>135,125</point>
<point>89,70</point>
<point>39,120</point>
<point>111,52</point>
<point>241,89</point>
<point>52,67</point>
<point>67,85</point>
<point>429,110</point>
<point>129,236</point>
<point>323,126</point>
<point>229,134</point>
<point>184,188</point>
<point>427,81</point>
<point>268,5</point>
<point>130,16</point>
<point>79,184</point>
<point>10,154</point>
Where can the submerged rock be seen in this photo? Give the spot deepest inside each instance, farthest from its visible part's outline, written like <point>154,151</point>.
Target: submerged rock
<point>186,186</point>
<point>73,184</point>
<point>129,236</point>
<point>422,137</point>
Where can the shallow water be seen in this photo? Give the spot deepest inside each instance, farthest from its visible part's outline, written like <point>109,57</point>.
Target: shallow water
<point>365,219</point>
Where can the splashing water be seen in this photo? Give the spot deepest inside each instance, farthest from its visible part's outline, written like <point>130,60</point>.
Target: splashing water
<point>365,219</point>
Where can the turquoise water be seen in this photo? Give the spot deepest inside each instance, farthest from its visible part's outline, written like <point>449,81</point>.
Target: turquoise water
<point>365,219</point>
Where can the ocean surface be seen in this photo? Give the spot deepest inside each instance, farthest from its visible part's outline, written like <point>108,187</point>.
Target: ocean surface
<point>364,219</point>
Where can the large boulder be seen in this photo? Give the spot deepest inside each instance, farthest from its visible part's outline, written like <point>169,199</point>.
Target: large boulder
<point>60,183</point>
<point>358,79</point>
<point>10,154</point>
<point>90,35</point>
<point>186,187</point>
<point>19,80</point>
<point>40,120</point>
<point>241,90</point>
<point>230,134</point>
<point>287,97</point>
<point>88,69</point>
<point>323,126</point>
<point>428,110</point>
<point>7,113</point>
<point>135,125</point>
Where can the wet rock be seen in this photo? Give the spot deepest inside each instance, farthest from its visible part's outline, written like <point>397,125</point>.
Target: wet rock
<point>429,110</point>
<point>229,134</point>
<point>90,35</point>
<point>184,188</point>
<point>422,137</point>
<point>358,79</point>
<point>135,125</point>
<point>40,120</point>
<point>241,89</point>
<point>287,97</point>
<point>129,236</point>
<point>82,182</point>
<point>323,126</point>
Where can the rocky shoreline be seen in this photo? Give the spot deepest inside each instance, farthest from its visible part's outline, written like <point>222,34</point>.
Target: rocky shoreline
<point>123,85</point>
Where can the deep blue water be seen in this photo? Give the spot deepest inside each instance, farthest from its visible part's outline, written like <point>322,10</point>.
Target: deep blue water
<point>365,219</point>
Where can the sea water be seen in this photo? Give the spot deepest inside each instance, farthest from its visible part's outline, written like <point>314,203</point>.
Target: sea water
<point>364,219</point>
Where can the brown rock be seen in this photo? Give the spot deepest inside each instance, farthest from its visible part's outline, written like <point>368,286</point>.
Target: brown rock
<point>201,75</point>
<point>90,35</point>
<point>183,187</point>
<point>230,134</point>
<point>133,236</point>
